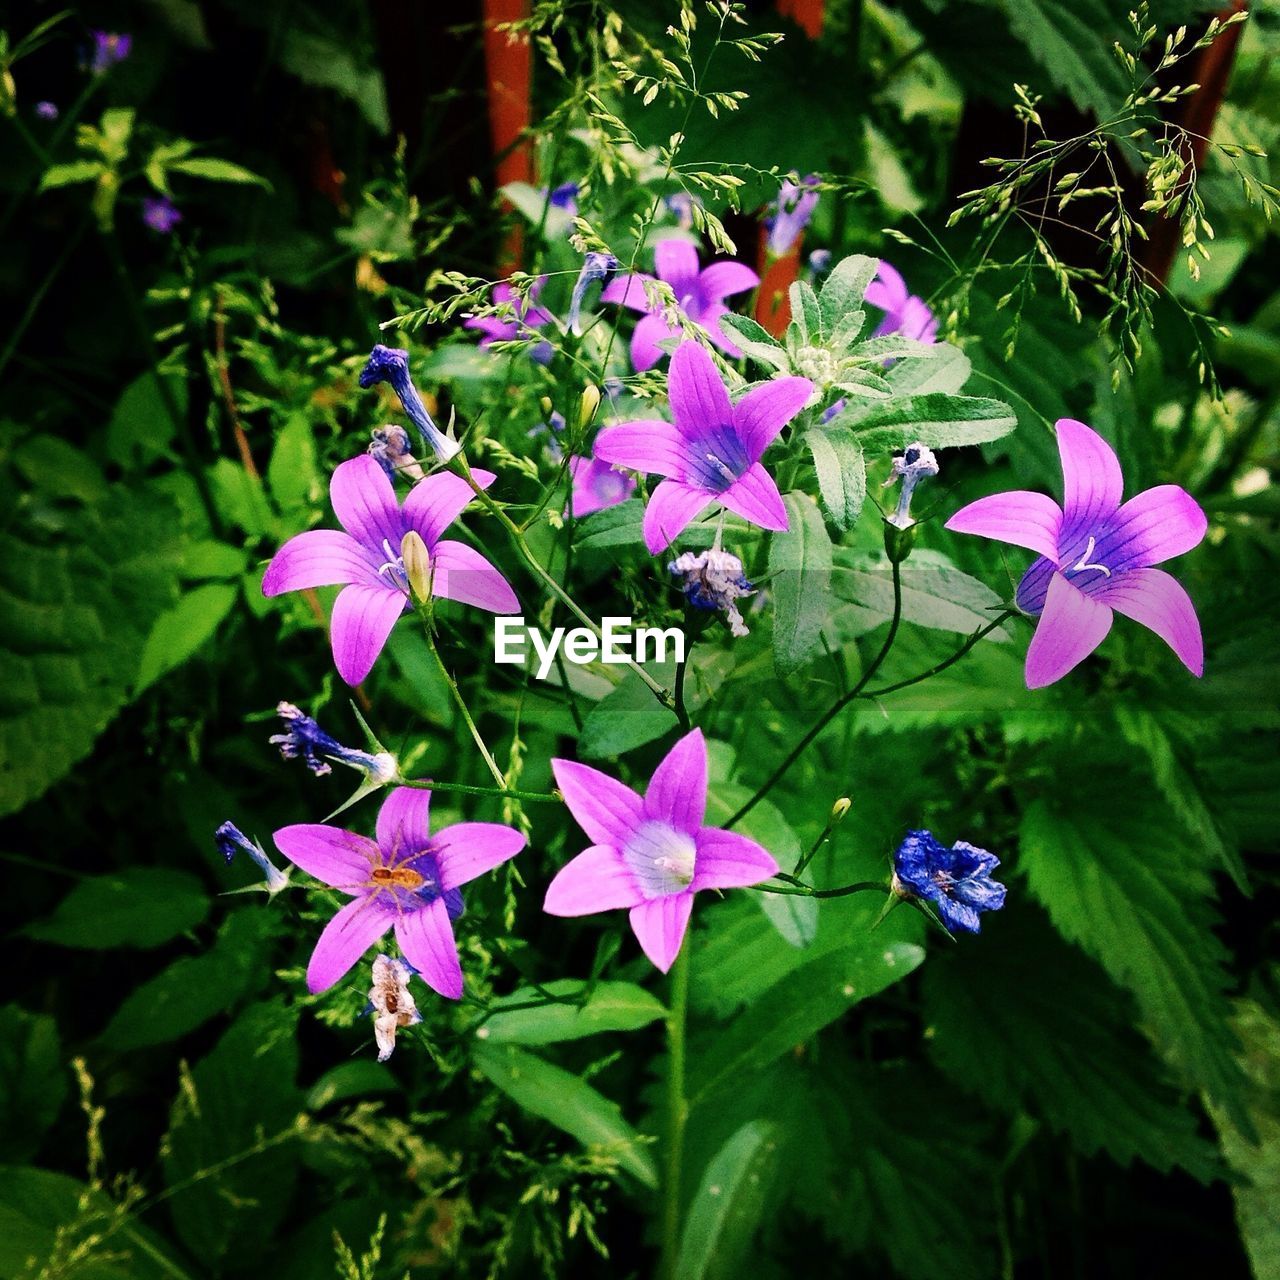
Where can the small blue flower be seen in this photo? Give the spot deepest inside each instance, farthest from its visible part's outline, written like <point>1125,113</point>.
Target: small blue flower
<point>820,261</point>
<point>789,214</point>
<point>230,840</point>
<point>304,738</point>
<point>47,110</point>
<point>388,364</point>
<point>956,880</point>
<point>911,466</point>
<point>681,205</point>
<point>714,579</point>
<point>389,447</point>
<point>595,266</point>
<point>565,197</point>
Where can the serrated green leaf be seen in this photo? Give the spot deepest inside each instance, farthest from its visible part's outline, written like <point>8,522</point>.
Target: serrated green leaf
<point>611,1006</point>
<point>800,581</point>
<point>844,289</point>
<point>569,1103</point>
<point>842,473</point>
<point>138,907</point>
<point>934,419</point>
<point>33,1080</point>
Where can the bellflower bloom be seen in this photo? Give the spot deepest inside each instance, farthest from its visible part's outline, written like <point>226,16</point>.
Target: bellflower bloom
<point>956,880</point>
<point>389,447</point>
<point>904,313</point>
<point>406,879</point>
<point>231,840</point>
<point>366,557</point>
<point>680,205</point>
<point>389,364</point>
<point>47,110</point>
<point>790,213</point>
<point>711,453</point>
<point>820,261</point>
<point>565,197</point>
<point>713,579</point>
<point>1095,556</point>
<point>911,466</point>
<point>700,296</point>
<point>392,1002</point>
<point>161,214</point>
<point>596,485</point>
<point>595,266</point>
<point>528,317</point>
<point>650,855</point>
<point>109,48</point>
<point>303,738</point>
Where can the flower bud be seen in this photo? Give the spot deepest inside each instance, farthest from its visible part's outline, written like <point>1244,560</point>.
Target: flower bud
<point>417,565</point>
<point>589,403</point>
<point>840,808</point>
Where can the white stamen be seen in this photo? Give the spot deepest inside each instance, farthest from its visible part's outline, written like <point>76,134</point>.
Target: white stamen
<point>1083,563</point>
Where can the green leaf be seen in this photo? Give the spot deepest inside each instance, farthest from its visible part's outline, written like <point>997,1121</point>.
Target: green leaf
<point>33,1081</point>
<point>934,419</point>
<point>946,371</point>
<point>212,559</point>
<point>330,62</point>
<point>195,988</point>
<point>800,581</point>
<point>350,1080</point>
<point>225,1163</point>
<point>755,341</point>
<point>625,719</point>
<point>797,1008</point>
<point>215,170</point>
<point>569,1103</point>
<point>844,289</point>
<point>842,473</point>
<point>726,1211</point>
<point>180,632</point>
<point>60,469</point>
<point>1119,879</point>
<point>140,430</point>
<point>293,474</point>
<point>75,607</point>
<point>611,1006</point>
<point>139,907</point>
<point>64,175</point>
<point>805,313</point>
<point>621,526</point>
<point>1064,1046</point>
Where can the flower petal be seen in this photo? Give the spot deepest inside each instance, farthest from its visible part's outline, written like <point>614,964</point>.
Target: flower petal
<point>698,397</point>
<point>462,574</point>
<point>338,858</point>
<point>645,351</point>
<point>1071,627</point>
<point>888,291</point>
<point>344,940</point>
<point>677,794</point>
<point>596,880</point>
<point>365,502</point>
<point>721,279</point>
<point>469,849</point>
<point>606,809</point>
<point>361,622</point>
<point>659,925</point>
<point>1092,485</point>
<point>628,290</point>
<point>727,860</point>
<point>434,503</point>
<point>677,264</point>
<point>318,558</point>
<point>671,506</point>
<point>1160,603</point>
<point>1155,525</point>
<point>404,822</point>
<point>1031,520</point>
<point>755,497</point>
<point>763,412</point>
<point>1034,586</point>
<point>651,445</point>
<point>709,318</point>
<point>426,938</point>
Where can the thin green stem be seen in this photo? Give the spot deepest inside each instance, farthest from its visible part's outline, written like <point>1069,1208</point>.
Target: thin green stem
<point>465,789</point>
<point>677,1114</point>
<point>461,703</point>
<point>807,891</point>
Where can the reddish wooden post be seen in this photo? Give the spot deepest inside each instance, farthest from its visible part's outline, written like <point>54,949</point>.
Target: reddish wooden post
<point>806,14</point>
<point>508,64</point>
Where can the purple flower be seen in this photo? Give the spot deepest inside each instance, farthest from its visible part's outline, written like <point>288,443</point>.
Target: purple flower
<point>161,214</point>
<point>681,205</point>
<point>109,48</point>
<point>596,485</point>
<point>47,110</point>
<point>367,558</point>
<point>820,261</point>
<point>790,213</point>
<point>304,738</point>
<point>904,313</point>
<point>406,878</point>
<point>528,317</point>
<point>910,466</point>
<point>389,364</point>
<point>595,266</point>
<point>713,579</point>
<point>392,1003</point>
<point>1095,556</point>
<point>565,197</point>
<point>956,880</point>
<point>711,453</point>
<point>231,840</point>
<point>650,855</point>
<point>389,448</point>
<point>700,296</point>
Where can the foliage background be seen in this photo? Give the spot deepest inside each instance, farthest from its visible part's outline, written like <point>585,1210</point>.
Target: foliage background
<point>1091,1088</point>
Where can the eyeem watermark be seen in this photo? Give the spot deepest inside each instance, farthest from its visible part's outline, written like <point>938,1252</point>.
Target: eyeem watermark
<point>619,641</point>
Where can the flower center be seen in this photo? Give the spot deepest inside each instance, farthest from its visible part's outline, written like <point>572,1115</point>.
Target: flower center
<point>394,567</point>
<point>1083,562</point>
<point>661,858</point>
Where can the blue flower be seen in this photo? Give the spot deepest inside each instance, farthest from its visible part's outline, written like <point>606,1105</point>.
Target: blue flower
<point>388,364</point>
<point>389,448</point>
<point>820,261</point>
<point>565,197</point>
<point>911,466</point>
<point>231,840</point>
<point>304,738</point>
<point>956,880</point>
<point>595,266</point>
<point>714,579</point>
<point>790,213</point>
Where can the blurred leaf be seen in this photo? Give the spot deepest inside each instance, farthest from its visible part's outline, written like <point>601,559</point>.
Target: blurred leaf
<point>331,64</point>
<point>241,498</point>
<point>351,1080</point>
<point>55,467</point>
<point>569,1103</point>
<point>842,473</point>
<point>33,1081</point>
<point>611,1006</point>
<point>140,430</point>
<point>63,175</point>
<point>211,559</point>
<point>293,474</point>
<point>800,581</point>
<point>216,170</point>
<point>625,719</point>
<point>180,632</point>
<point>138,907</point>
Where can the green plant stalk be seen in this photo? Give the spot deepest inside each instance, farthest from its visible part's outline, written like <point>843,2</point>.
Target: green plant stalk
<point>465,789</point>
<point>677,1114</point>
